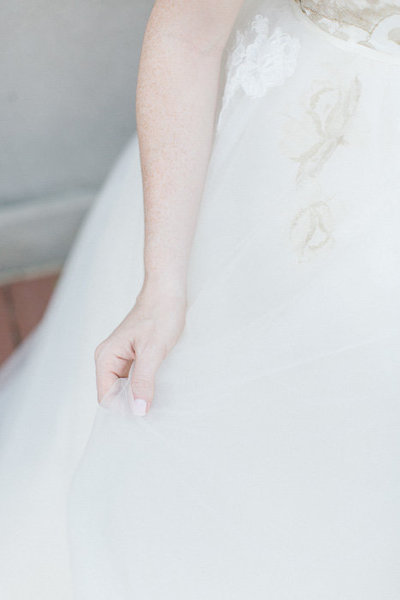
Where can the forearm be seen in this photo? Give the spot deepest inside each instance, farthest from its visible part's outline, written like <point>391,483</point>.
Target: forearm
<point>175,106</point>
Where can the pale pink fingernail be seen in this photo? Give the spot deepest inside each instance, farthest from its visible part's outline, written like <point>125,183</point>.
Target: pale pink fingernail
<point>139,407</point>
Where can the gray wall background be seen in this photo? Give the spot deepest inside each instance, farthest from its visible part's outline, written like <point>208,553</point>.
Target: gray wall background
<point>68,73</point>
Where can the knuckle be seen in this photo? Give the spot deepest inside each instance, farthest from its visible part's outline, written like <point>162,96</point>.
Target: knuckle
<point>100,351</point>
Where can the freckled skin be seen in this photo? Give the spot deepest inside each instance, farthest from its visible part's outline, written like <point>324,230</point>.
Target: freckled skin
<point>176,98</point>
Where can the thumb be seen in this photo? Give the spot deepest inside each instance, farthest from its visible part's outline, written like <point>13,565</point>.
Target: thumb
<point>142,382</point>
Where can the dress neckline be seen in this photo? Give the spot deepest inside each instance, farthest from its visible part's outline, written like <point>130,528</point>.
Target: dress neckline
<point>372,31</point>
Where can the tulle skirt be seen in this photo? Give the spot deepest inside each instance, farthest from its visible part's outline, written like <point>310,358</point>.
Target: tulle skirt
<point>267,466</point>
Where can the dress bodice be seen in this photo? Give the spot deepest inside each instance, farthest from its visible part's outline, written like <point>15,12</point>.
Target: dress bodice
<point>371,23</point>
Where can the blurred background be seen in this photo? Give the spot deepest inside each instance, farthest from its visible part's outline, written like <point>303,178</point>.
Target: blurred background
<point>68,70</point>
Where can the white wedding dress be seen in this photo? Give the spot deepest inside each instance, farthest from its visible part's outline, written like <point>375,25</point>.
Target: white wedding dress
<point>268,465</point>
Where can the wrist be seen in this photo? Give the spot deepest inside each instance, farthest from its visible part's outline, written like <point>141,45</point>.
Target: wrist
<point>164,285</point>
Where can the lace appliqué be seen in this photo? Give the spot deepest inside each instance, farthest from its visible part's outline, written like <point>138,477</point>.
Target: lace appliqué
<point>258,61</point>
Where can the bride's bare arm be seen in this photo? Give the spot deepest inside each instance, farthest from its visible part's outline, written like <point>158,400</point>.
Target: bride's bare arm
<point>176,97</point>
<point>176,101</point>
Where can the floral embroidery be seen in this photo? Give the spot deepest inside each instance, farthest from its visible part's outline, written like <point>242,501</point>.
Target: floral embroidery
<point>311,142</point>
<point>329,111</point>
<point>375,24</point>
<point>259,60</point>
<point>311,229</point>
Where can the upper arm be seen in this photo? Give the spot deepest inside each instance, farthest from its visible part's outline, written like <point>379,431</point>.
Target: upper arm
<point>204,25</point>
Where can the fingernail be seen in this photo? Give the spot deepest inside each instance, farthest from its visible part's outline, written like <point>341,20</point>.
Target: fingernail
<point>139,407</point>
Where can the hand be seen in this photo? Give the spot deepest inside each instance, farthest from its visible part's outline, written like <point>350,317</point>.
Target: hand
<point>146,335</point>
